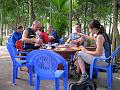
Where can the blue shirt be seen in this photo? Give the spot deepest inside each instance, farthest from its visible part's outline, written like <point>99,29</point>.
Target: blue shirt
<point>16,36</point>
<point>55,35</point>
<point>74,36</point>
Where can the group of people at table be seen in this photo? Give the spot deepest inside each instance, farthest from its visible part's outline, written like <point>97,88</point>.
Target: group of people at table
<point>36,35</point>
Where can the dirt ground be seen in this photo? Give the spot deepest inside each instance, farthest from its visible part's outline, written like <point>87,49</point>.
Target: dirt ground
<point>22,82</point>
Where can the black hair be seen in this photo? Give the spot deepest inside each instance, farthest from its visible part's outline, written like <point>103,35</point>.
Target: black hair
<point>96,24</point>
<point>42,29</point>
<point>19,27</point>
<point>78,24</point>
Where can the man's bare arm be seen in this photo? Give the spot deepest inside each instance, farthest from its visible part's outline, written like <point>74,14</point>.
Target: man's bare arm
<point>68,41</point>
<point>25,39</point>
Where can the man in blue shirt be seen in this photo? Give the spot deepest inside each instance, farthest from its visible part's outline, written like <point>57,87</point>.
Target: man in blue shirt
<point>17,35</point>
<point>53,37</point>
<point>74,38</point>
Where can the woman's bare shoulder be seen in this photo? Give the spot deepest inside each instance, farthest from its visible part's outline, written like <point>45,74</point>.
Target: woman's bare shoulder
<point>100,38</point>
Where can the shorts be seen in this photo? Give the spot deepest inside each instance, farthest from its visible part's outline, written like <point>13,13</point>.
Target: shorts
<point>89,58</point>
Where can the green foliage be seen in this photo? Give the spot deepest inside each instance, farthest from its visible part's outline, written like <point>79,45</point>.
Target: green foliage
<point>58,4</point>
<point>16,12</point>
<point>59,22</point>
<point>60,15</point>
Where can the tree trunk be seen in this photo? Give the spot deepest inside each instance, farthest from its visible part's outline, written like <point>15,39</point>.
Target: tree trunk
<point>78,19</point>
<point>85,13</point>
<point>1,31</point>
<point>31,12</point>
<point>6,30</point>
<point>16,23</point>
<point>110,22</point>
<point>70,16</point>
<point>115,39</point>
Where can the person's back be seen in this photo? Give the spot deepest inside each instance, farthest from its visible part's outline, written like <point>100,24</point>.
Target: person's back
<point>107,45</point>
<point>17,35</point>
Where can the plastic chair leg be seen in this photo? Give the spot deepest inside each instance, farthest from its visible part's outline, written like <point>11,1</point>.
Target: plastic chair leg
<point>30,74</point>
<point>56,84</point>
<point>91,71</point>
<point>96,73</point>
<point>14,75</point>
<point>37,83</point>
<point>109,77</point>
<point>65,82</point>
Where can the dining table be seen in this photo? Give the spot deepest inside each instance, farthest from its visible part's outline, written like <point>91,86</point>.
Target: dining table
<point>67,52</point>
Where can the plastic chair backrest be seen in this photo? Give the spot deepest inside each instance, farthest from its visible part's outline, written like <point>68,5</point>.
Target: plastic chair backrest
<point>44,61</point>
<point>115,52</point>
<point>34,52</point>
<point>9,40</point>
<point>12,51</point>
<point>60,58</point>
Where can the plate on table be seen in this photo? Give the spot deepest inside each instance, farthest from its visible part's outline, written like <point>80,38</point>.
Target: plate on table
<point>61,46</point>
<point>75,48</point>
<point>60,49</point>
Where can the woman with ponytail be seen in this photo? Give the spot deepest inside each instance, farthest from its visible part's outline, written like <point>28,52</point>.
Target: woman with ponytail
<point>102,45</point>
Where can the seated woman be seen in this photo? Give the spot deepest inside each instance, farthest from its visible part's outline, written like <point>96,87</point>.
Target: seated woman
<point>74,38</point>
<point>43,35</point>
<point>102,49</point>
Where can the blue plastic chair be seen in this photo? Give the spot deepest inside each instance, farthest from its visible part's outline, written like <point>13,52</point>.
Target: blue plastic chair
<point>9,40</point>
<point>18,63</point>
<point>109,68</point>
<point>45,63</point>
<point>61,40</point>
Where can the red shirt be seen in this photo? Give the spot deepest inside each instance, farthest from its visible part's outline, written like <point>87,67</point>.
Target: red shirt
<point>44,36</point>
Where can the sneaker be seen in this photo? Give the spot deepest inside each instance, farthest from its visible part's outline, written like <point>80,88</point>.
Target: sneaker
<point>83,78</point>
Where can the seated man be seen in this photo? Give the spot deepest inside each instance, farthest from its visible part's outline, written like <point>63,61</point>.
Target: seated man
<point>53,37</point>
<point>17,35</point>
<point>74,38</point>
<point>29,37</point>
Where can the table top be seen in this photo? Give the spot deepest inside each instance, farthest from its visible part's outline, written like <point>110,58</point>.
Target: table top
<point>63,48</point>
<point>66,49</point>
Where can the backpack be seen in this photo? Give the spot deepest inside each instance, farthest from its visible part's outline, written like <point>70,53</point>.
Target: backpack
<point>87,85</point>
